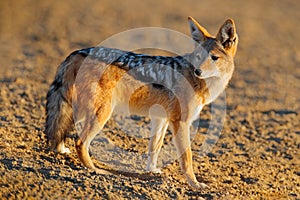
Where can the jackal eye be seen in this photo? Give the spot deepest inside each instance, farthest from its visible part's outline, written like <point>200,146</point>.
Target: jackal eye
<point>214,58</point>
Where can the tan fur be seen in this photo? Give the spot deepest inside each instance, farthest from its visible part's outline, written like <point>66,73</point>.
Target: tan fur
<point>100,89</point>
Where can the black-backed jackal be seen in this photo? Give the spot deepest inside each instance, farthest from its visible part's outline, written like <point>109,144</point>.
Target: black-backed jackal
<point>92,83</point>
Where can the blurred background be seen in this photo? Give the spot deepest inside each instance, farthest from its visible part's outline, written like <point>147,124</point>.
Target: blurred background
<point>44,32</point>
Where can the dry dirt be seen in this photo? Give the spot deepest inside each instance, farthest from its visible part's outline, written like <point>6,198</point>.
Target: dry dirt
<point>258,153</point>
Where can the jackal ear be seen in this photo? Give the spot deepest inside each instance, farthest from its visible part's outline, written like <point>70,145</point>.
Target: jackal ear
<point>227,35</point>
<point>199,34</point>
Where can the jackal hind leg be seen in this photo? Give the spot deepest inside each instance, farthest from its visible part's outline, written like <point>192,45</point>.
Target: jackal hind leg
<point>158,130</point>
<point>92,126</point>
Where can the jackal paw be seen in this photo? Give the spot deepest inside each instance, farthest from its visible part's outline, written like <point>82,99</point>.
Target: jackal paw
<point>196,184</point>
<point>154,170</point>
<point>203,186</point>
<point>63,150</point>
<point>101,171</point>
<point>60,148</point>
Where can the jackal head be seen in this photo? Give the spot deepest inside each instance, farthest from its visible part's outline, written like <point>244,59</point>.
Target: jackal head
<point>213,56</point>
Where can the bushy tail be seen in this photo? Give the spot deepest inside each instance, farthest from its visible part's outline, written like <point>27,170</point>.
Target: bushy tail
<point>59,99</point>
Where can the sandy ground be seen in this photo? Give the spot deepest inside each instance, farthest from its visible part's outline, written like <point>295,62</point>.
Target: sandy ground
<point>257,154</point>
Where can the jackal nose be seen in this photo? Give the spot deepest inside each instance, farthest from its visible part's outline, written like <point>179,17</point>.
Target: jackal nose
<point>197,72</point>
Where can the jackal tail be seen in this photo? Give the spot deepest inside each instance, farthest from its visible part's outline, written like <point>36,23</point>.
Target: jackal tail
<point>59,100</point>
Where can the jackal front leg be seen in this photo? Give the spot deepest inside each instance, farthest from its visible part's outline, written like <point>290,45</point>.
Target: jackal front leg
<point>181,139</point>
<point>158,129</point>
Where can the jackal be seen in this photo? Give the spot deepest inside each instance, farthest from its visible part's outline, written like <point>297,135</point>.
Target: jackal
<point>92,83</point>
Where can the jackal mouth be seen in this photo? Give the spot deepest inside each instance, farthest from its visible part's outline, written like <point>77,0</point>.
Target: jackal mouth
<point>206,74</point>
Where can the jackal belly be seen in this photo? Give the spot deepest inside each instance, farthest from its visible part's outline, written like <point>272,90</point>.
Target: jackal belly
<point>143,99</point>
